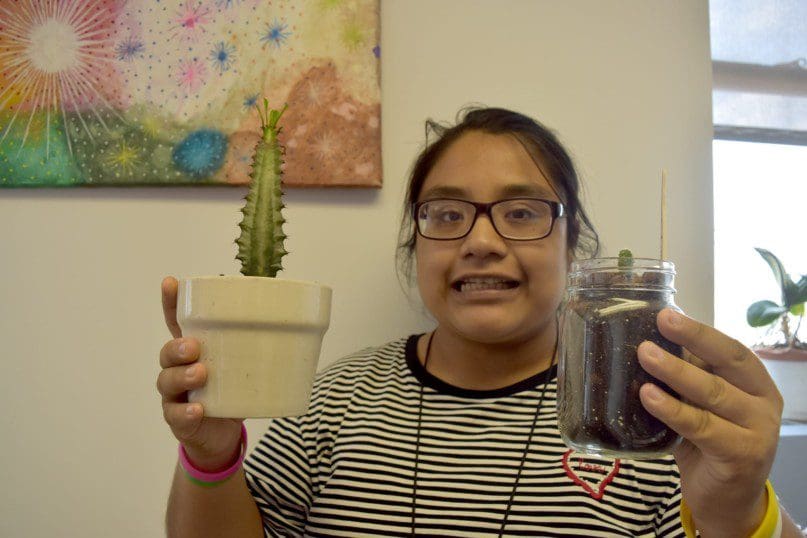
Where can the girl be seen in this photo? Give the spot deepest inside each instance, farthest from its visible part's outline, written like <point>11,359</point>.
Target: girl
<point>454,432</point>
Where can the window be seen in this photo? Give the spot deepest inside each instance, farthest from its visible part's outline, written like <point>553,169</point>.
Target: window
<point>760,193</point>
<point>759,52</point>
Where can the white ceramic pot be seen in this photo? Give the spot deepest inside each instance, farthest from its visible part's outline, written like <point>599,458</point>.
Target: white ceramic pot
<point>260,341</point>
<point>788,368</point>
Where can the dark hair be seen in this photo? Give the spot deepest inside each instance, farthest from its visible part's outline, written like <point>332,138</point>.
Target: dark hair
<point>540,143</point>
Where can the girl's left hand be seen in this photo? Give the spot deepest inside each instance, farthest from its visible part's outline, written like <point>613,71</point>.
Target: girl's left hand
<point>730,427</point>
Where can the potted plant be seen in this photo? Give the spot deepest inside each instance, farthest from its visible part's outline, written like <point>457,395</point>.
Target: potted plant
<point>260,336</point>
<point>784,355</point>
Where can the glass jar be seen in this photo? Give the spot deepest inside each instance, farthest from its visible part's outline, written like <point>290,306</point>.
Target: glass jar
<point>610,309</point>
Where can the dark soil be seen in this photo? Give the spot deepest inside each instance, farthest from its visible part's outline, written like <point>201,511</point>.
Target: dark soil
<point>602,383</point>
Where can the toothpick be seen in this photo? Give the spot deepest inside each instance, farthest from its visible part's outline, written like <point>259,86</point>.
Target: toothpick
<point>663,214</point>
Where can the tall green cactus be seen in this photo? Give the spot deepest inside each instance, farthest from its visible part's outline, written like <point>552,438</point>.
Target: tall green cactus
<point>260,246</point>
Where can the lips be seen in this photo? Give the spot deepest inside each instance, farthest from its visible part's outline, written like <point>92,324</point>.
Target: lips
<point>483,283</point>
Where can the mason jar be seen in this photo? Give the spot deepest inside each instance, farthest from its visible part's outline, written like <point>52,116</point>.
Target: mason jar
<point>611,308</point>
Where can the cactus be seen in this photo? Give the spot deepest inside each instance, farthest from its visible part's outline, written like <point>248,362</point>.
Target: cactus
<point>260,246</point>
<point>625,259</point>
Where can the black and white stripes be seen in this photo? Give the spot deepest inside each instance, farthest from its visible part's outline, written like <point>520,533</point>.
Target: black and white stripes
<point>346,467</point>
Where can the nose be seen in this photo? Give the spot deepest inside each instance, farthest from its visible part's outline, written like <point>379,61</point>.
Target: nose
<point>483,239</point>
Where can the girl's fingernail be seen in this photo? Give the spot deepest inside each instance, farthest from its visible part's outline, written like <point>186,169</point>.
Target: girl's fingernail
<point>653,393</point>
<point>183,347</point>
<point>653,351</point>
<point>192,370</point>
<point>190,410</point>
<point>675,319</point>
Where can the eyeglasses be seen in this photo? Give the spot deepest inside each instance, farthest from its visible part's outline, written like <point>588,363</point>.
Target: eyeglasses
<point>519,219</point>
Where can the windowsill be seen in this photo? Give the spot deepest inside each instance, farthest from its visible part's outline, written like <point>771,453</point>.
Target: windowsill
<point>793,429</point>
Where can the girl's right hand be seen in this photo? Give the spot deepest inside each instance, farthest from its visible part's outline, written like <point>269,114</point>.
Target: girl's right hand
<point>212,444</point>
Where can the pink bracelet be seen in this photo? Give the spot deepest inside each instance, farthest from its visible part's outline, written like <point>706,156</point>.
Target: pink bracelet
<point>211,479</point>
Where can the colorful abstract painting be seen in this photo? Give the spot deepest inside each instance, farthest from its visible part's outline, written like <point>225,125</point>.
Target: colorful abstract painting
<point>163,92</point>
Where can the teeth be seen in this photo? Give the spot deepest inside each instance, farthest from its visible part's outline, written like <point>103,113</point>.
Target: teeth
<point>484,284</point>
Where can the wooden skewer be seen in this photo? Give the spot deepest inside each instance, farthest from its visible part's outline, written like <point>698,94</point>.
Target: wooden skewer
<point>663,214</point>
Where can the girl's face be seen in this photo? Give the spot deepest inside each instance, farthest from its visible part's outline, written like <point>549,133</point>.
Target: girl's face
<point>482,167</point>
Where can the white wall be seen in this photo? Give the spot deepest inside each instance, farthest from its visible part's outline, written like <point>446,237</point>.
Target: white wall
<point>84,450</point>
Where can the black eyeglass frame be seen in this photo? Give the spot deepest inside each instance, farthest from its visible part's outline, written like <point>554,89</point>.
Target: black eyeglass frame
<point>557,210</point>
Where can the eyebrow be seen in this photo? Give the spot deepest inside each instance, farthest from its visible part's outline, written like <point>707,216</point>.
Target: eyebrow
<point>511,190</point>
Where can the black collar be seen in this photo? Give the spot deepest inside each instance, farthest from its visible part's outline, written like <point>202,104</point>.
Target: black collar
<point>429,380</point>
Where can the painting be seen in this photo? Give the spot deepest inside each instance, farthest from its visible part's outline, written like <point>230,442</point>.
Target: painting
<point>163,92</point>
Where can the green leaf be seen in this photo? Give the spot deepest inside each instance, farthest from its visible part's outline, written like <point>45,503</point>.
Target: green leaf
<point>801,290</point>
<point>786,284</point>
<point>797,310</point>
<point>275,115</point>
<point>764,313</point>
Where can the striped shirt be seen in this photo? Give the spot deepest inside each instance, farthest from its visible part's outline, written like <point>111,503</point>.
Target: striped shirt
<point>347,467</point>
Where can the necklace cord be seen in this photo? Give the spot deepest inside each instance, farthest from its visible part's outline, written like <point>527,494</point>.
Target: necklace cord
<point>529,442</point>
<point>417,438</point>
<point>521,463</point>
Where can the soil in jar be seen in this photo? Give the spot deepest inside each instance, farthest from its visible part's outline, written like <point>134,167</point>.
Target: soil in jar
<point>605,412</point>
